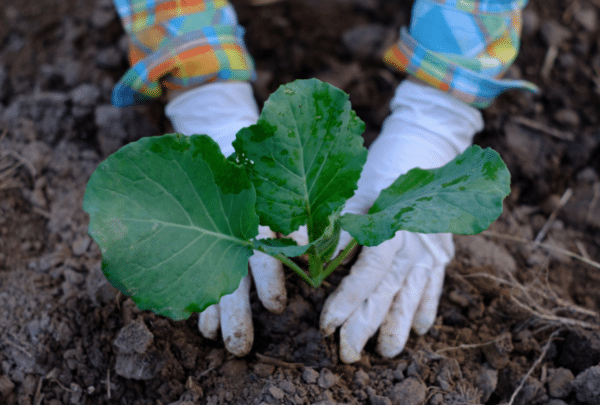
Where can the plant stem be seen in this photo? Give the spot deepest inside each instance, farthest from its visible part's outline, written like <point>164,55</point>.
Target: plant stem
<point>315,265</point>
<point>289,262</point>
<point>335,263</point>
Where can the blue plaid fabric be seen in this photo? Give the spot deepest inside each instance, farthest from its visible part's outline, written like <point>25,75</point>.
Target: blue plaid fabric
<point>462,47</point>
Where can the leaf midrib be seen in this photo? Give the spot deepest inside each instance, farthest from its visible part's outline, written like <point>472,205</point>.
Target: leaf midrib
<point>191,227</point>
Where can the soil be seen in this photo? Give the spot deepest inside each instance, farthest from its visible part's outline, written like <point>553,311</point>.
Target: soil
<point>518,322</point>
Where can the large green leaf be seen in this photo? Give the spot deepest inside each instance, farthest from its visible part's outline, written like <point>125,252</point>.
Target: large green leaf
<point>173,221</point>
<point>462,197</point>
<point>304,155</point>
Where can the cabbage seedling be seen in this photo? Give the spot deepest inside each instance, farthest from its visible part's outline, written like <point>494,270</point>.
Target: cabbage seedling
<point>176,220</point>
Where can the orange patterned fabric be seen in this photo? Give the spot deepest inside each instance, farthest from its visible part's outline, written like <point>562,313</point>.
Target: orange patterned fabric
<point>179,43</point>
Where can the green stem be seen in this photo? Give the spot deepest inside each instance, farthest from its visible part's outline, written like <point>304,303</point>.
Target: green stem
<point>288,262</point>
<point>335,263</point>
<point>315,265</point>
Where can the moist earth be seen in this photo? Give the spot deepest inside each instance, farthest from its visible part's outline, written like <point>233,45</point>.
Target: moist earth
<point>518,320</point>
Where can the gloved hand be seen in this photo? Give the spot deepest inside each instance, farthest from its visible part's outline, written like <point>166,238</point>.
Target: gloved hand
<point>220,110</point>
<point>398,284</point>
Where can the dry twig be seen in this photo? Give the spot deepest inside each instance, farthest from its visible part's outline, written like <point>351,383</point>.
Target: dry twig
<point>594,201</point>
<point>276,362</point>
<point>565,136</point>
<point>537,362</point>
<point>472,346</point>
<point>565,305</point>
<point>543,245</point>
<point>563,200</point>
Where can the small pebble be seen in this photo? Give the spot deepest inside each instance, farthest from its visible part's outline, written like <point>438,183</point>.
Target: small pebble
<point>531,23</point>
<point>29,385</point>
<point>276,393</point>
<point>234,369</point>
<point>287,386</point>
<point>487,382</point>
<point>559,382</point>
<point>587,175</point>
<point>362,41</point>
<point>309,375</point>
<point>587,17</point>
<point>74,277</point>
<point>76,393</point>
<point>81,245</point>
<point>133,338</point>
<point>567,117</point>
<point>379,400</point>
<point>326,379</point>
<point>102,18</point>
<point>361,379</point>
<point>85,94</point>
<point>554,33</point>
<point>109,58</point>
<point>263,370</point>
<point>586,386</point>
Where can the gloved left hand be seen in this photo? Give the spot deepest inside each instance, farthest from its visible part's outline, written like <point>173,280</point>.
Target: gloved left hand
<point>220,110</point>
<point>398,283</point>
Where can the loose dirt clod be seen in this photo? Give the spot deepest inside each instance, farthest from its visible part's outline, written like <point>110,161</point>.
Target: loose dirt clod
<point>587,386</point>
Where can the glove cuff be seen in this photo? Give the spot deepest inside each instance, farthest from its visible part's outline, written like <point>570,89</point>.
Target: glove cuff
<point>471,45</point>
<point>180,43</point>
<point>206,55</point>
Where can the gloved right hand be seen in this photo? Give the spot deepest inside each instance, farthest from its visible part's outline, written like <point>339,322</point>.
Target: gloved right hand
<point>397,285</point>
<point>220,110</point>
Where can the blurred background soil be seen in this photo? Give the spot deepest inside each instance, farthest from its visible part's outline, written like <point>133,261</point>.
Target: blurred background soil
<point>518,322</point>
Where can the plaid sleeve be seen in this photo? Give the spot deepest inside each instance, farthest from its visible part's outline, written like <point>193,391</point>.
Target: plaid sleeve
<point>462,47</point>
<point>180,43</point>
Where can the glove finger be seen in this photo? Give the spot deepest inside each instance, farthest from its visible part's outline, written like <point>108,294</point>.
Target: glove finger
<point>268,276</point>
<point>209,322</point>
<point>427,309</point>
<point>236,320</point>
<point>267,273</point>
<point>364,322</point>
<point>365,276</point>
<point>395,329</point>
<point>441,247</point>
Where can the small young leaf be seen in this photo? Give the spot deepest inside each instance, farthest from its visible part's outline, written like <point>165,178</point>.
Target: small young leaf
<point>304,155</point>
<point>325,246</point>
<point>462,197</point>
<point>287,246</point>
<point>173,221</point>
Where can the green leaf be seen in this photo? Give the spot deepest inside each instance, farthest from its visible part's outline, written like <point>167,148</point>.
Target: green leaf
<point>304,156</point>
<point>326,244</point>
<point>287,246</point>
<point>173,221</point>
<point>462,197</point>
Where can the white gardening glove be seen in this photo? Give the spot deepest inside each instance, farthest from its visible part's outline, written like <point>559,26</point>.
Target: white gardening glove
<point>398,284</point>
<point>220,110</point>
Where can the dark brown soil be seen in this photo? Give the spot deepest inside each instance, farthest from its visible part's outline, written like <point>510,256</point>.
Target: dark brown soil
<point>508,306</point>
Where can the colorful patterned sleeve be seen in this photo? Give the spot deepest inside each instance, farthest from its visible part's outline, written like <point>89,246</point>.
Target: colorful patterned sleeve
<point>180,43</point>
<point>462,47</point>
